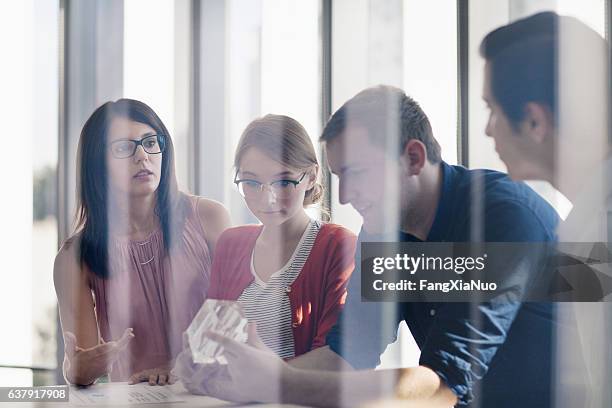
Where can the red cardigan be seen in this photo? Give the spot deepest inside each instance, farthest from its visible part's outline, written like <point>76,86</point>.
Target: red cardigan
<point>317,294</point>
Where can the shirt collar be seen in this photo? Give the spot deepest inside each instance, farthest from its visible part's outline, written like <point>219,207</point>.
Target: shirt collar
<point>442,220</point>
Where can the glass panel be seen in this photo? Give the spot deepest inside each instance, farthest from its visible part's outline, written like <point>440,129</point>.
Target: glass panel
<point>581,98</point>
<point>409,44</point>
<point>273,67</point>
<point>367,50</point>
<point>44,155</point>
<point>412,45</point>
<point>430,67</point>
<point>153,68</point>
<point>16,176</point>
<point>28,172</point>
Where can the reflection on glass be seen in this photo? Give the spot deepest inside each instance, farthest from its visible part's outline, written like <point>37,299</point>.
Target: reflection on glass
<point>484,17</point>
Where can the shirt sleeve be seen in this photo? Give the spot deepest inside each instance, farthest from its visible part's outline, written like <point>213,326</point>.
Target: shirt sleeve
<point>363,329</point>
<point>341,265</point>
<point>215,288</point>
<point>466,336</point>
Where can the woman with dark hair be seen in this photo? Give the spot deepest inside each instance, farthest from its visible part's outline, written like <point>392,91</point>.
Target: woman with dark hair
<point>137,267</point>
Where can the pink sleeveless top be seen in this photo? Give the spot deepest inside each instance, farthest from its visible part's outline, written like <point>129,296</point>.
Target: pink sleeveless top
<point>156,295</point>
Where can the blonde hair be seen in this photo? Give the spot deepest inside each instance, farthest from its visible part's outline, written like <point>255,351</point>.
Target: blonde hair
<point>285,140</point>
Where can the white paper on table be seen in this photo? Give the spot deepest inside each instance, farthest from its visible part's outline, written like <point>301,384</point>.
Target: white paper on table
<point>122,394</point>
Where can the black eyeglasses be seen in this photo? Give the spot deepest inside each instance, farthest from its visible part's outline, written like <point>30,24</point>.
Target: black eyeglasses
<point>122,149</point>
<point>280,188</point>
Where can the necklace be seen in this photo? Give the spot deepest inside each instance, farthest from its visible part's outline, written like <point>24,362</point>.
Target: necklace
<point>152,254</point>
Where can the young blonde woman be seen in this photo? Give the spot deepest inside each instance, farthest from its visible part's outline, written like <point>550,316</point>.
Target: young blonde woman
<point>136,271</point>
<point>290,272</point>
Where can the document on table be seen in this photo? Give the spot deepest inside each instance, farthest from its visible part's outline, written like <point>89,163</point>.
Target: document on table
<point>122,394</point>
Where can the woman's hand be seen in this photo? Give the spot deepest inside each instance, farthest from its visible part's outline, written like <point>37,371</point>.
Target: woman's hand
<point>155,376</point>
<point>84,366</point>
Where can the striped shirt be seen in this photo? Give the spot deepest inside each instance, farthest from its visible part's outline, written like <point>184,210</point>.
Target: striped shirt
<point>267,304</point>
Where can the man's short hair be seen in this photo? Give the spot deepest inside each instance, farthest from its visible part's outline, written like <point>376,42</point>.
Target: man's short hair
<point>385,112</point>
<point>523,60</point>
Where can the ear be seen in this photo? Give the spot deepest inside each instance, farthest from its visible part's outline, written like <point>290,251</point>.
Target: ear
<point>413,157</point>
<point>538,123</point>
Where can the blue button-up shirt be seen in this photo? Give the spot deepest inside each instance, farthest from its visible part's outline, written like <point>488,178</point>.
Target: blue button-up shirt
<point>488,353</point>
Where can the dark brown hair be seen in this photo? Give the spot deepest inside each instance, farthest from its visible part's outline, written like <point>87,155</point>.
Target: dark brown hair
<point>93,183</point>
<point>524,58</point>
<point>384,111</point>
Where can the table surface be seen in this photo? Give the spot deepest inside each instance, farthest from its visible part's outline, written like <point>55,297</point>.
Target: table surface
<point>190,401</point>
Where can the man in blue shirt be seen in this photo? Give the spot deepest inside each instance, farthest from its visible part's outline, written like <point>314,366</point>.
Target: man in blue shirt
<point>461,343</point>
<point>381,147</point>
<point>546,84</point>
